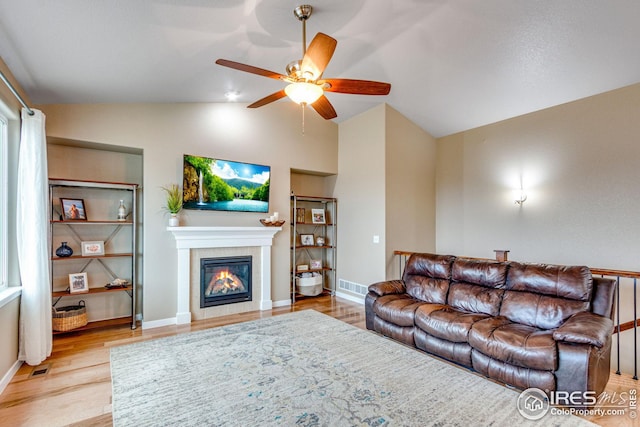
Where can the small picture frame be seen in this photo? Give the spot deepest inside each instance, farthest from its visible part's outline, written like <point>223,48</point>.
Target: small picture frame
<point>317,216</point>
<point>73,209</point>
<point>78,283</point>
<point>300,213</point>
<point>320,241</point>
<point>315,264</point>
<point>93,248</point>
<point>306,239</point>
<point>302,267</point>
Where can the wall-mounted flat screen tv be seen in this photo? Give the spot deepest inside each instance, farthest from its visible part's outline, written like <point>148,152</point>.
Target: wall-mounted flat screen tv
<point>223,185</point>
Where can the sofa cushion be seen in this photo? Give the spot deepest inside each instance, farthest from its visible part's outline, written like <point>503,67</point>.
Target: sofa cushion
<point>396,309</point>
<point>514,343</point>
<point>426,277</point>
<point>488,273</point>
<point>444,322</point>
<point>458,352</point>
<point>522,378</point>
<point>477,285</point>
<point>403,334</point>
<point>538,310</point>
<point>474,298</point>
<point>571,282</point>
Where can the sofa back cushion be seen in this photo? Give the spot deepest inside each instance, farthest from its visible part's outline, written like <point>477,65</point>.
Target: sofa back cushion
<point>544,296</point>
<point>572,282</point>
<point>477,285</point>
<point>426,277</point>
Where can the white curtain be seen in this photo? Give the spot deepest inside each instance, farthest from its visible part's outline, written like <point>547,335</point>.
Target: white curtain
<point>33,242</point>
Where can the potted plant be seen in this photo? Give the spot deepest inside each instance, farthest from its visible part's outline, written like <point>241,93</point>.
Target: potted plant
<point>173,203</point>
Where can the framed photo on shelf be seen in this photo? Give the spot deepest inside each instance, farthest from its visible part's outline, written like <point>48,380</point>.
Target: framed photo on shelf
<point>73,210</point>
<point>317,216</point>
<point>315,264</point>
<point>92,248</point>
<point>302,267</point>
<point>306,240</point>
<point>78,283</point>
<point>300,213</point>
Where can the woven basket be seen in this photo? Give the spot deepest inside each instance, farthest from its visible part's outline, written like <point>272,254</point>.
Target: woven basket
<point>69,317</point>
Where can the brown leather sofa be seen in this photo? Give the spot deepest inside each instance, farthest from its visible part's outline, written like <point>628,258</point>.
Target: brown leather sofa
<point>526,325</point>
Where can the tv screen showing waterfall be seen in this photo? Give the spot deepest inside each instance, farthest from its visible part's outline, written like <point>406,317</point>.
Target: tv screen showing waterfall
<point>223,185</point>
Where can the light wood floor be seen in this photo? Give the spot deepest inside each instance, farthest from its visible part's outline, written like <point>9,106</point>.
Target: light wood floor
<point>77,388</point>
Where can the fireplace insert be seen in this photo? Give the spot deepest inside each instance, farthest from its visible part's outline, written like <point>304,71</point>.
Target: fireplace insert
<point>225,280</point>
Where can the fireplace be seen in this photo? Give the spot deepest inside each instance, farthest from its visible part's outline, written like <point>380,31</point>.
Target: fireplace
<point>225,280</point>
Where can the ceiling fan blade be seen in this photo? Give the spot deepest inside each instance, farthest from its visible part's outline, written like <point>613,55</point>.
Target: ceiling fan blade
<point>324,108</point>
<point>268,99</point>
<point>318,55</point>
<point>357,87</point>
<point>250,69</point>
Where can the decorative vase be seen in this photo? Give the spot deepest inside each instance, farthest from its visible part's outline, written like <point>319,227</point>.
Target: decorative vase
<point>122,211</point>
<point>64,250</point>
<point>173,221</point>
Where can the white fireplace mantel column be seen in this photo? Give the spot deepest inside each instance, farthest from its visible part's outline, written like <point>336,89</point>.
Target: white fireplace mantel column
<point>188,238</point>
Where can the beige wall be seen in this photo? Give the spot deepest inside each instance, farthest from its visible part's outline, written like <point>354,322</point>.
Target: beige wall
<point>9,337</point>
<point>579,164</point>
<point>271,135</point>
<point>360,192</point>
<point>386,188</point>
<point>410,164</point>
<point>304,184</point>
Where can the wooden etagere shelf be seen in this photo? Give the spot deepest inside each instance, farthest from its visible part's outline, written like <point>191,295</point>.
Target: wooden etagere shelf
<point>313,241</point>
<point>97,223</point>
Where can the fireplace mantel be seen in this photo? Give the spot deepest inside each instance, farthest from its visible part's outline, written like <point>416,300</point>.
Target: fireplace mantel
<point>188,238</point>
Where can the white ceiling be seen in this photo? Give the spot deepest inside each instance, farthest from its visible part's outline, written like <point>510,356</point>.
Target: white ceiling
<point>453,64</point>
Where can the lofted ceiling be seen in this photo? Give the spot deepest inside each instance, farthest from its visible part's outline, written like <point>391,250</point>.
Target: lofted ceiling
<point>453,64</point>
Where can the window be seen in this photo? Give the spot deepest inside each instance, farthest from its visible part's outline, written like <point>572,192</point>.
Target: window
<point>3,201</point>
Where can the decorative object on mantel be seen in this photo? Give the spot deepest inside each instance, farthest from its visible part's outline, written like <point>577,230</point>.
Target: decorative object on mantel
<point>173,204</point>
<point>64,250</point>
<point>268,223</point>
<point>273,221</point>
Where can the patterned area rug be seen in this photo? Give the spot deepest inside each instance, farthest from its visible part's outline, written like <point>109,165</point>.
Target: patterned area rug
<point>303,369</point>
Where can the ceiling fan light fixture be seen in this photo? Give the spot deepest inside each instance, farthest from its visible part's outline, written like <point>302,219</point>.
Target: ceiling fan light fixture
<point>303,92</point>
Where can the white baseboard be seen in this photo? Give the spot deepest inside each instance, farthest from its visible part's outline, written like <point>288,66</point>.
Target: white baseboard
<point>282,303</point>
<point>159,323</point>
<point>350,297</point>
<point>6,379</point>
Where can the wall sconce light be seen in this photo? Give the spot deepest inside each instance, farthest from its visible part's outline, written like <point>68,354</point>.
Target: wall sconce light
<point>521,197</point>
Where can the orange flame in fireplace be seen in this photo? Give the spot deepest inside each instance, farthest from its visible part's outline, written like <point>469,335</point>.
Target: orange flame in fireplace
<point>224,282</point>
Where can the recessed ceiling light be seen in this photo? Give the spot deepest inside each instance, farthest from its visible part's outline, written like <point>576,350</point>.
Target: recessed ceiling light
<point>231,95</point>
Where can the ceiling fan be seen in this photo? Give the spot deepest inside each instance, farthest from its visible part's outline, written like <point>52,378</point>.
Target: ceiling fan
<point>306,85</point>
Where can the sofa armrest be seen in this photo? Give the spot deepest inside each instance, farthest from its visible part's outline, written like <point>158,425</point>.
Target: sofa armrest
<point>585,328</point>
<point>387,288</point>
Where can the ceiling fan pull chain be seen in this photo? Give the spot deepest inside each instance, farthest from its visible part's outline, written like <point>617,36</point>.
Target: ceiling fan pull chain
<point>302,104</point>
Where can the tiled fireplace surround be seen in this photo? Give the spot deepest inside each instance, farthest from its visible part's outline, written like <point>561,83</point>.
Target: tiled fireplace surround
<point>194,243</point>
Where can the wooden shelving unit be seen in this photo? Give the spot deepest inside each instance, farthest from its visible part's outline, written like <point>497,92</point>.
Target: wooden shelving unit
<point>100,225</point>
<point>302,223</point>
